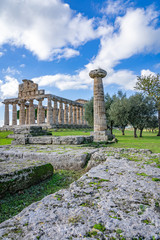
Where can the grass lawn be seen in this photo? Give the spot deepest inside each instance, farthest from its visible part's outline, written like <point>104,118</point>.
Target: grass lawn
<point>148,141</point>
<point>70,132</point>
<point>3,137</point>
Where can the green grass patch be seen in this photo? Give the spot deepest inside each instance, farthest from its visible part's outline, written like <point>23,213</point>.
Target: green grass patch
<point>12,204</point>
<point>3,137</point>
<point>99,227</point>
<point>148,141</point>
<point>70,132</point>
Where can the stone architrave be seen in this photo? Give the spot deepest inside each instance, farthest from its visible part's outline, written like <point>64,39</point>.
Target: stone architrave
<point>49,112</point>
<point>55,112</point>
<point>22,113</point>
<point>66,114</point>
<point>74,115</point>
<point>31,113</point>
<point>60,113</point>
<point>70,114</point>
<point>100,124</point>
<point>14,114</point>
<point>6,114</point>
<point>40,111</point>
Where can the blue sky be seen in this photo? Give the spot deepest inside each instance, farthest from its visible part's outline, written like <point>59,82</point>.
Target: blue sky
<point>56,43</point>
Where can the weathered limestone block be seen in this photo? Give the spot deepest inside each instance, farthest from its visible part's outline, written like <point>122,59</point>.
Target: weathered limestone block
<point>40,140</point>
<point>6,114</point>
<point>14,114</point>
<point>13,181</point>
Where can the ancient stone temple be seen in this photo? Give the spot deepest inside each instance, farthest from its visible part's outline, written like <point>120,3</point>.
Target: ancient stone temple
<point>58,112</point>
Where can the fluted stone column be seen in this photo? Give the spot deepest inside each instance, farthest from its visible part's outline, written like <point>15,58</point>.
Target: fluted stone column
<point>6,114</point>
<point>81,116</point>
<point>84,120</point>
<point>43,115</point>
<point>49,112</point>
<point>55,112</point>
<point>74,115</point>
<point>27,115</point>
<point>22,113</point>
<point>66,114</point>
<point>100,124</point>
<point>78,115</point>
<point>70,114</point>
<point>31,113</point>
<point>14,114</point>
<point>60,113</point>
<point>40,111</point>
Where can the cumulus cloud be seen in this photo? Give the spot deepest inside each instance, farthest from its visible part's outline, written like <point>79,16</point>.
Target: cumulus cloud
<point>43,27</point>
<point>134,33</point>
<point>8,87</point>
<point>147,72</point>
<point>112,7</point>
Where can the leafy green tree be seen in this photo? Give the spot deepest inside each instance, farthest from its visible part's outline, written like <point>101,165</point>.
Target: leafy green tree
<point>119,112</point>
<point>141,108</point>
<point>89,112</point>
<point>150,85</point>
<point>152,123</point>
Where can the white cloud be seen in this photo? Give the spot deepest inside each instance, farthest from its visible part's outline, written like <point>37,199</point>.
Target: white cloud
<point>22,65</point>
<point>133,33</point>
<point>147,72</point>
<point>10,71</point>
<point>8,87</point>
<point>112,7</point>
<point>1,123</point>
<point>23,56</point>
<point>1,54</point>
<point>43,27</point>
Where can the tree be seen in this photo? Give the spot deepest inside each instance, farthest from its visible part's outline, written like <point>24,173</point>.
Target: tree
<point>141,108</point>
<point>89,112</point>
<point>119,112</point>
<point>151,86</point>
<point>152,123</point>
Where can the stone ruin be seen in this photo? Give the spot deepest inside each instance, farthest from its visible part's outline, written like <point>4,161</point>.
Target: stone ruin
<point>100,122</point>
<point>64,113</point>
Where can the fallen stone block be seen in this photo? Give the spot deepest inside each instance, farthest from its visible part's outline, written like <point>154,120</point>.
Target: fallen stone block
<point>14,179</point>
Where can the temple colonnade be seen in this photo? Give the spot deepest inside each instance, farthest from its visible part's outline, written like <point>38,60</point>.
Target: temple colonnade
<point>58,111</point>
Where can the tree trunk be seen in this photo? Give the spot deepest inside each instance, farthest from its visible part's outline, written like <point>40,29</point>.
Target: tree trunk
<point>123,131</point>
<point>111,127</point>
<point>158,121</point>
<point>141,130</point>
<point>135,132</point>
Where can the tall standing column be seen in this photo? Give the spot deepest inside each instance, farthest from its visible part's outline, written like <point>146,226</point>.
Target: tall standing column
<point>81,115</point>
<point>40,112</point>
<point>22,113</point>
<point>49,112</point>
<point>27,115</point>
<point>14,114</point>
<point>60,113</point>
<point>6,114</point>
<point>78,115</point>
<point>31,113</point>
<point>100,124</point>
<point>66,114</point>
<point>70,114</point>
<point>74,115</point>
<point>55,112</point>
